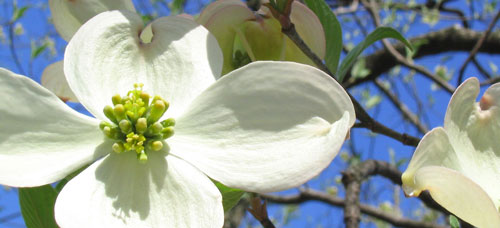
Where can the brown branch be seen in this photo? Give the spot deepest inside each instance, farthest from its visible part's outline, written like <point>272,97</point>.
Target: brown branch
<point>478,45</point>
<point>372,9</point>
<point>407,113</point>
<point>490,81</point>
<point>481,69</point>
<point>354,175</point>
<point>259,211</point>
<point>366,120</point>
<point>295,37</point>
<point>454,38</point>
<point>432,4</point>
<point>313,195</point>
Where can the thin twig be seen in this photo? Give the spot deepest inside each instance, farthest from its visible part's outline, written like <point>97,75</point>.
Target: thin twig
<point>13,49</point>
<point>314,195</point>
<point>481,69</point>
<point>474,51</point>
<point>9,217</point>
<point>354,175</point>
<point>407,113</point>
<point>366,120</point>
<point>259,211</point>
<point>372,9</point>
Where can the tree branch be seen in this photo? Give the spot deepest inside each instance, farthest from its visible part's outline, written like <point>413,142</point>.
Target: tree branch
<point>366,120</point>
<point>402,107</point>
<point>313,195</point>
<point>372,9</point>
<point>453,38</point>
<point>474,51</point>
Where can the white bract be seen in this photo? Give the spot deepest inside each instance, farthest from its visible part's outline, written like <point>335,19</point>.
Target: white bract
<point>460,163</point>
<point>265,127</point>
<point>68,16</point>
<point>245,35</point>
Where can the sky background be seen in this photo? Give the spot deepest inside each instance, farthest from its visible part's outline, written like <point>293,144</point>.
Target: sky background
<point>379,190</point>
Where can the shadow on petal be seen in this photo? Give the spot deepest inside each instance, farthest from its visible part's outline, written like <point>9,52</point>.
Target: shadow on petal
<point>129,183</point>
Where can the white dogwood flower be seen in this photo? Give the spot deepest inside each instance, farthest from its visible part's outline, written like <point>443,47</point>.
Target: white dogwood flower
<point>245,35</point>
<point>460,164</point>
<point>265,127</point>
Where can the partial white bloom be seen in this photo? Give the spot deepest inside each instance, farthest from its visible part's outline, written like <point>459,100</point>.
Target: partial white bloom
<point>266,127</point>
<point>459,164</point>
<point>257,35</point>
<point>54,80</point>
<point>69,15</point>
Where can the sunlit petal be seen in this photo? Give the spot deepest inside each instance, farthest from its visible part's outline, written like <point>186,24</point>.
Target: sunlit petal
<point>459,195</point>
<point>107,56</point>
<point>69,15</point>
<point>118,191</point>
<point>266,127</point>
<point>42,139</point>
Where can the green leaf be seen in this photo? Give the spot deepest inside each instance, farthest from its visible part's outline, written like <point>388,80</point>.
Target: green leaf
<point>36,51</point>
<point>18,13</point>
<point>37,206</point>
<point>378,34</point>
<point>454,223</point>
<point>177,6</point>
<point>333,32</point>
<point>230,196</point>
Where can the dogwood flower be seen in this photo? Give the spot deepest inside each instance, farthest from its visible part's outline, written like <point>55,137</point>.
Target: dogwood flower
<point>265,127</point>
<point>246,36</point>
<point>459,164</point>
<point>54,80</point>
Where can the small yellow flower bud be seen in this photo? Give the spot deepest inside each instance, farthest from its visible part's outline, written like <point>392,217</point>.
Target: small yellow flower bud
<point>167,132</point>
<point>116,99</point>
<point>141,126</point>
<point>118,147</point>
<point>156,145</point>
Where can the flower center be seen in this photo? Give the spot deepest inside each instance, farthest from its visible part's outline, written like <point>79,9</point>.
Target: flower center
<point>134,123</point>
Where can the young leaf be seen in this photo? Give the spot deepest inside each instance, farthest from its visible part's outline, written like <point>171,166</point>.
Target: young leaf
<point>36,51</point>
<point>378,34</point>
<point>177,6</point>
<point>18,13</point>
<point>454,223</point>
<point>37,206</point>
<point>333,32</point>
<point>230,196</point>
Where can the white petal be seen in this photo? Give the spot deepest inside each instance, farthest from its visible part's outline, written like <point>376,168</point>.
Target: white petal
<point>106,57</point>
<point>222,18</point>
<point>265,127</point>
<point>473,130</point>
<point>309,27</point>
<point>69,15</point>
<point>216,7</point>
<point>433,150</point>
<point>54,80</point>
<point>42,140</point>
<point>462,104</point>
<point>459,195</point>
<point>118,191</point>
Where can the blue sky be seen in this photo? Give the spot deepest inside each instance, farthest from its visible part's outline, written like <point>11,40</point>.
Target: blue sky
<point>36,26</point>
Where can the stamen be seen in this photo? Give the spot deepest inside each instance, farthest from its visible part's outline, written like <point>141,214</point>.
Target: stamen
<point>134,123</point>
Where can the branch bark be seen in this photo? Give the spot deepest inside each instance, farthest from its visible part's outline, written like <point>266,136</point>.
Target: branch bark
<point>314,195</point>
<point>454,38</point>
